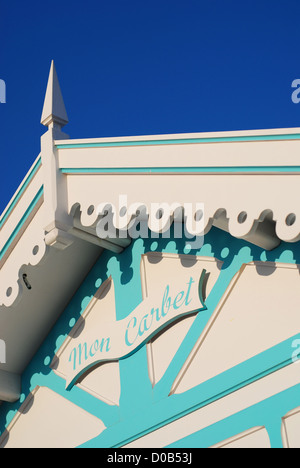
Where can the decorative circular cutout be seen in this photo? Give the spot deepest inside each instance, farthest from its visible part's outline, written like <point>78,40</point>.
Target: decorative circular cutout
<point>123,211</point>
<point>198,215</point>
<point>90,210</point>
<point>159,213</point>
<point>290,219</point>
<point>242,217</point>
<point>35,250</point>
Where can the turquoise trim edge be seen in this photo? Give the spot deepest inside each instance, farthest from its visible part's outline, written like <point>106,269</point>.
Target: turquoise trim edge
<point>20,192</point>
<point>178,170</point>
<point>22,222</point>
<point>181,141</point>
<point>176,406</point>
<point>38,372</point>
<point>266,414</point>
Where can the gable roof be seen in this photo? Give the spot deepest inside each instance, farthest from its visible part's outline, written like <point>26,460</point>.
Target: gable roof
<point>246,182</point>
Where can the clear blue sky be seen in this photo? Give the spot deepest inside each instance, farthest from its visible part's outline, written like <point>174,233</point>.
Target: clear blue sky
<point>132,67</point>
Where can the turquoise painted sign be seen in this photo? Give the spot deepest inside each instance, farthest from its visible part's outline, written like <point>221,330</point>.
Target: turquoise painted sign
<point>119,339</point>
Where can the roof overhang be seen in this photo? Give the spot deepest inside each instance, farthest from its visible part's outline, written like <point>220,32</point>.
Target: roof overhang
<point>246,181</point>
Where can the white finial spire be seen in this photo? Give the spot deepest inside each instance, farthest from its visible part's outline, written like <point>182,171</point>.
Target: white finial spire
<point>54,111</point>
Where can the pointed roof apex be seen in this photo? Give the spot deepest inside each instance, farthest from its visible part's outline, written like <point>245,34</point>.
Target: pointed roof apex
<point>54,110</point>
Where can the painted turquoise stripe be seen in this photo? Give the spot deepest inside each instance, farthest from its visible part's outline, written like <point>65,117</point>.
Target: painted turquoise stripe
<point>201,170</point>
<point>176,406</point>
<point>181,141</point>
<point>268,413</point>
<point>20,192</point>
<point>22,222</point>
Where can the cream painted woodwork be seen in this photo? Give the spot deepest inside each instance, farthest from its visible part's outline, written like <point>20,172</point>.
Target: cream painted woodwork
<point>102,381</point>
<point>221,409</point>
<point>155,270</point>
<point>257,226</point>
<point>47,420</point>
<point>256,437</point>
<point>254,302</point>
<point>28,247</point>
<point>291,428</point>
